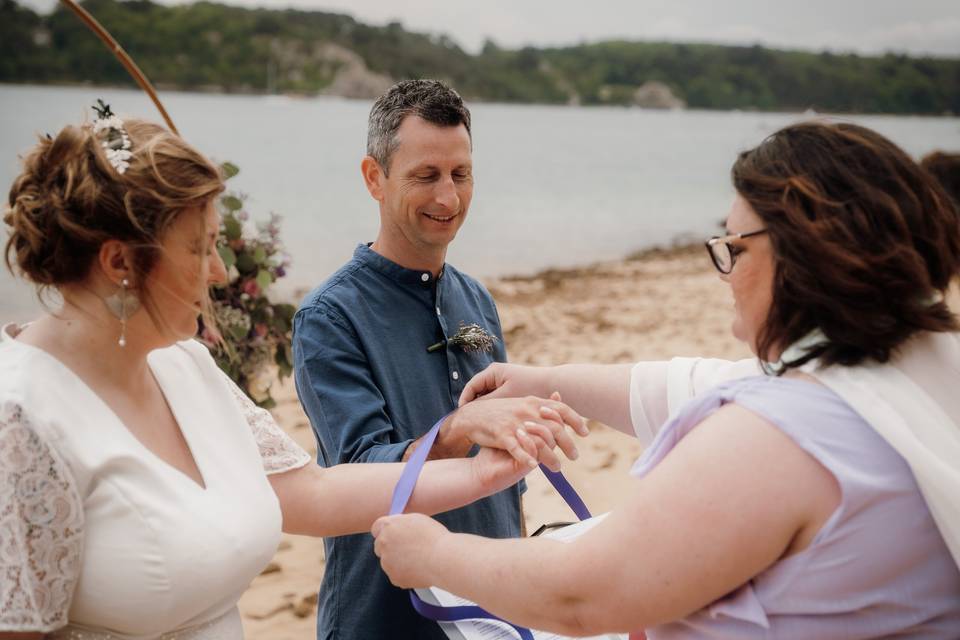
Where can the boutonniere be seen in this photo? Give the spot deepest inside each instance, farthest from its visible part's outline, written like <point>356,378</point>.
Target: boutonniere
<point>472,338</point>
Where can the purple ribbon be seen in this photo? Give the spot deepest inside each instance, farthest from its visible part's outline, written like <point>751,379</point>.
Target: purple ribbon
<point>401,496</point>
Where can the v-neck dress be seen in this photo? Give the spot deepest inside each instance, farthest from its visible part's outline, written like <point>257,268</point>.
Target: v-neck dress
<point>100,537</point>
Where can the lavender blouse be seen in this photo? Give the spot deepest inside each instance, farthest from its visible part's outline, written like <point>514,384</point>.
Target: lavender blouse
<point>878,568</point>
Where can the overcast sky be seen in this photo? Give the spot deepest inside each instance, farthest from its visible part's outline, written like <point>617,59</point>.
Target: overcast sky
<point>865,26</point>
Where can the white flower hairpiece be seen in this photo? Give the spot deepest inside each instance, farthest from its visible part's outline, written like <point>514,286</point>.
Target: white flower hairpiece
<point>116,145</point>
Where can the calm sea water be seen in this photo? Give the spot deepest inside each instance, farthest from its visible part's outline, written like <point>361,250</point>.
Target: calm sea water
<point>555,186</point>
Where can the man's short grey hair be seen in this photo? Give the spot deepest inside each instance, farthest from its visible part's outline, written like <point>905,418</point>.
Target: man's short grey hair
<point>431,100</point>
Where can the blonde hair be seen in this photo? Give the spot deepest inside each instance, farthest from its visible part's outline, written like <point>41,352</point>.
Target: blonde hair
<point>68,200</point>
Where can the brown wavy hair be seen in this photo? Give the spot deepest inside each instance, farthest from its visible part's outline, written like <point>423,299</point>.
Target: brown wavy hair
<point>68,200</point>
<point>945,167</point>
<point>865,242</point>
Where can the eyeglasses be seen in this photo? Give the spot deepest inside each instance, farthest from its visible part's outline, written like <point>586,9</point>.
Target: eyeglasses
<point>723,254</point>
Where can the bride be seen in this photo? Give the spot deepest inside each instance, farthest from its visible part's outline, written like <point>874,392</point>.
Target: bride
<point>140,489</point>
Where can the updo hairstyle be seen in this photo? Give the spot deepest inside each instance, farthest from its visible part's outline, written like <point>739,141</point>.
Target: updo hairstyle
<point>68,200</point>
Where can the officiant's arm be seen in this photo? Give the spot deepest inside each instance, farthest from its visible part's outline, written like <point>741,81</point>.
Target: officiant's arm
<point>598,391</point>
<point>671,549</point>
<point>635,399</point>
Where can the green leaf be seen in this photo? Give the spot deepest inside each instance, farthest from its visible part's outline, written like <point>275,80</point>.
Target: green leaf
<point>279,358</point>
<point>285,310</point>
<point>232,228</point>
<point>284,360</point>
<point>259,254</point>
<point>229,170</point>
<point>264,279</point>
<point>280,324</point>
<point>232,203</point>
<point>227,255</point>
<point>246,263</point>
<point>238,333</point>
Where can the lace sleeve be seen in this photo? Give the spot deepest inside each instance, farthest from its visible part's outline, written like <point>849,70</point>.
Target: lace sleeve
<point>278,450</point>
<point>41,529</point>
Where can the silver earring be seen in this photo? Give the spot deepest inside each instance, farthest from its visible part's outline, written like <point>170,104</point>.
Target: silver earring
<point>123,304</point>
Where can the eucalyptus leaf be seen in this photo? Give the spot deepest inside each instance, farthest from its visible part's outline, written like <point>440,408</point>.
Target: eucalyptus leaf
<point>246,264</point>
<point>229,170</point>
<point>264,279</point>
<point>232,203</point>
<point>232,228</point>
<point>227,255</point>
<point>238,333</point>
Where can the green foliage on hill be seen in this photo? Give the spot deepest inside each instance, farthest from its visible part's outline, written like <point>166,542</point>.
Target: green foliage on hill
<point>217,47</point>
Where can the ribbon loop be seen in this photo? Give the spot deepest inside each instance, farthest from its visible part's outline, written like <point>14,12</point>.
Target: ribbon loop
<point>401,496</point>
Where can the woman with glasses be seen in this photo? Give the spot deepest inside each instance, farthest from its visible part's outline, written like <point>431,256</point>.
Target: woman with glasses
<point>814,494</point>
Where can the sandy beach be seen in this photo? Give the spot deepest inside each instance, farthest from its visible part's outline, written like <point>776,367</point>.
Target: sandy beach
<point>651,306</point>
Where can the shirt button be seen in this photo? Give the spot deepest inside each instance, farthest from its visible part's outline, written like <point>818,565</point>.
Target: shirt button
<point>455,375</point>
<point>438,310</point>
<point>425,277</point>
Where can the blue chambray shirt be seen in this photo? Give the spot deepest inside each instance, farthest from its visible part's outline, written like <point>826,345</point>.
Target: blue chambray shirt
<point>370,388</point>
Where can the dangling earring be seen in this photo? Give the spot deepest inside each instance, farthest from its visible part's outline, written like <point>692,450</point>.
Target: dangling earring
<point>123,304</point>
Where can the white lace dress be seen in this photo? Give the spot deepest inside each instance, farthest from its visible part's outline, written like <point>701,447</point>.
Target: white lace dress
<point>99,537</point>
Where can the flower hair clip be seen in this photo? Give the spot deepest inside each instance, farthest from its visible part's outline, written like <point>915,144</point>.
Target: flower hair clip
<point>116,145</point>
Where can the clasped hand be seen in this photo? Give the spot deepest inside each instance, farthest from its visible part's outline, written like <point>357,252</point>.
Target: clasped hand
<point>527,428</point>
<point>515,434</point>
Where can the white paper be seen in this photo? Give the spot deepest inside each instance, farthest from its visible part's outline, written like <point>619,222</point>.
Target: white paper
<point>491,629</point>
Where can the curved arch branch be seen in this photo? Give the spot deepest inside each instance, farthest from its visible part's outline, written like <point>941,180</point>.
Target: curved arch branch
<point>122,56</point>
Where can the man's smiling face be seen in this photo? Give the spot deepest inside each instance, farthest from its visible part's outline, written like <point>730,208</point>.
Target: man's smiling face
<point>425,198</point>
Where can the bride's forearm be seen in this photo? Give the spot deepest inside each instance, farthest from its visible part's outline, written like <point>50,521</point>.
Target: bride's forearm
<point>347,498</point>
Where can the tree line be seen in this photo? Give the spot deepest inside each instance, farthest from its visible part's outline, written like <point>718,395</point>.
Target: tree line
<point>209,46</point>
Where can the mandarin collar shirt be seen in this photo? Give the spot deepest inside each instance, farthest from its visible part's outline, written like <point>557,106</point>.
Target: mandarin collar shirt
<point>370,388</point>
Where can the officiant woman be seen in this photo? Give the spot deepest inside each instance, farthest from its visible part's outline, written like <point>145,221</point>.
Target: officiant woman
<point>817,500</point>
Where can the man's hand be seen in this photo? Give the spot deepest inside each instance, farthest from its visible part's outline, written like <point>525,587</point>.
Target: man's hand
<point>404,544</point>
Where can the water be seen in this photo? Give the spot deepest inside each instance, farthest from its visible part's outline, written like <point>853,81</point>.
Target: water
<point>555,186</point>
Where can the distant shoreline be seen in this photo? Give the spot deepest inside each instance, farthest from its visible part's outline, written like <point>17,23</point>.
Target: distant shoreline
<point>220,91</point>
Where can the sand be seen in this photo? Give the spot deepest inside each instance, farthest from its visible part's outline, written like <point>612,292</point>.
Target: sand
<point>651,306</point>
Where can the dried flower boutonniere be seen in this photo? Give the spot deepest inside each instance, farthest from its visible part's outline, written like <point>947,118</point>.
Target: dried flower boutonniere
<point>472,338</point>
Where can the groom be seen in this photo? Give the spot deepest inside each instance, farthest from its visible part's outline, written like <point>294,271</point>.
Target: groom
<point>363,370</point>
